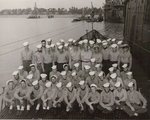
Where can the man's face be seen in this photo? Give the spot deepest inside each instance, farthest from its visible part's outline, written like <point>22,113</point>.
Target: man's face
<point>93,89</point>
<point>129,76</point>
<point>36,86</point>
<point>83,86</point>
<point>106,89</point>
<point>10,85</point>
<point>23,84</point>
<point>119,88</point>
<point>54,70</point>
<point>43,79</point>
<point>64,76</point>
<point>39,49</point>
<point>33,69</point>
<point>66,68</point>
<point>43,44</point>
<point>16,77</point>
<point>70,88</point>
<point>53,80</point>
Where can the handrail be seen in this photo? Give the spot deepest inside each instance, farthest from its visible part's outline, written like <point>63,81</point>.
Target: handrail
<point>2,101</point>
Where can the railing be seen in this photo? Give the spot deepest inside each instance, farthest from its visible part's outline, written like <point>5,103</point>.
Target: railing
<point>2,103</point>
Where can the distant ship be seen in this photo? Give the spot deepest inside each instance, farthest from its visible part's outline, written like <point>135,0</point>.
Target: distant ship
<point>34,14</point>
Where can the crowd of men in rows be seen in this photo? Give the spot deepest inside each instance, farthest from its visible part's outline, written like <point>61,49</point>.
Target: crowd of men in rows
<point>96,75</point>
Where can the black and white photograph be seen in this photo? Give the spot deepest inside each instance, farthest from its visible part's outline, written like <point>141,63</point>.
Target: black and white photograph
<point>75,59</point>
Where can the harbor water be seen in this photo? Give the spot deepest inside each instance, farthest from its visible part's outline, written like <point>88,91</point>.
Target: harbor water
<point>15,30</point>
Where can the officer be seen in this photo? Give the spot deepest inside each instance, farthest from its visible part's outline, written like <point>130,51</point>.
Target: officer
<point>69,96</point>
<point>35,72</point>
<point>26,56</point>
<point>106,103</point>
<point>136,103</point>
<point>82,94</point>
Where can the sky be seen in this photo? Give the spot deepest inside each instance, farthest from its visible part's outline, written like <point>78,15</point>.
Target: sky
<point>12,4</point>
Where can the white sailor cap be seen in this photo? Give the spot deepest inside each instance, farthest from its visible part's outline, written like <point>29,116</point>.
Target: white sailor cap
<point>60,47</point>
<point>91,73</point>
<point>23,80</point>
<point>49,40</point>
<point>93,85</point>
<point>59,84</point>
<point>113,40</point>
<point>52,45</point>
<point>85,41</point>
<point>129,73</point>
<point>58,43</point>
<point>98,41</point>
<point>109,39</point>
<point>74,73</point>
<point>39,46</point>
<point>15,73</point>
<point>48,84</point>
<point>69,84</point>
<point>125,65</point>
<point>98,65</point>
<point>53,77</point>
<point>66,44</point>
<point>114,45</point>
<point>63,73</point>
<point>43,75</point>
<point>20,67</point>
<point>91,42</point>
<point>81,42</point>
<point>70,40</point>
<point>48,46</point>
<point>65,65</point>
<point>7,82</point>
<point>54,67</point>
<point>81,82</point>
<point>105,43</point>
<point>115,65</point>
<point>32,65</point>
<point>93,60</point>
<point>30,76</point>
<point>106,85</point>
<point>74,41</point>
<point>111,69</point>
<point>101,74</point>
<point>114,75</point>
<point>25,44</point>
<point>62,41</point>
<point>87,67</point>
<point>130,84</point>
<point>76,65</point>
<point>117,84</point>
<point>119,42</point>
<point>35,82</point>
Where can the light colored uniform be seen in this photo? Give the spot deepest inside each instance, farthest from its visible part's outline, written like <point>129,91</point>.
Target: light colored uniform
<point>62,57</point>
<point>125,57</point>
<point>86,57</point>
<point>36,75</point>
<point>127,81</point>
<point>23,74</point>
<point>56,74</point>
<point>114,56</point>
<point>112,83</point>
<point>92,80</point>
<point>105,53</point>
<point>98,57</point>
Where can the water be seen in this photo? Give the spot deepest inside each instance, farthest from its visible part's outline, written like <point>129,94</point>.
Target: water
<point>16,30</point>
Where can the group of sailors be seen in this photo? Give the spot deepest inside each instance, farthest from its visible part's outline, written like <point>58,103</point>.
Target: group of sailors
<point>93,74</point>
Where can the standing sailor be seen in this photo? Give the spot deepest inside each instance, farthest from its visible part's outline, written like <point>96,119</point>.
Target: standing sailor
<point>26,56</point>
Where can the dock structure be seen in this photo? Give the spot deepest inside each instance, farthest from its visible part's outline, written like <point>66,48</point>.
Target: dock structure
<point>113,11</point>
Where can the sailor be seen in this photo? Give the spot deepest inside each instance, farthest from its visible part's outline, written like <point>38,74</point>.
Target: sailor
<point>49,41</point>
<point>116,70</point>
<point>77,69</point>
<point>54,51</point>
<point>48,60</point>
<point>75,79</point>
<point>98,42</point>
<point>128,80</point>
<point>105,54</point>
<point>70,41</point>
<point>21,95</point>
<point>92,78</point>
<point>93,98</point>
<point>125,57</point>
<point>59,96</point>
<point>120,96</point>
<point>35,72</point>
<point>66,47</point>
<point>29,80</point>
<point>111,71</point>
<point>74,55</point>
<point>114,54</point>
<point>43,46</point>
<point>93,63</point>
<point>54,72</point>
<point>54,80</point>
<point>80,44</point>
<point>39,59</point>
<point>91,45</point>
<point>64,79</point>
<point>136,103</point>
<point>85,72</point>
<point>22,73</point>
<point>82,94</point>
<point>26,56</point>
<point>98,68</point>
<point>97,54</point>
<point>69,96</point>
<point>101,80</point>
<point>113,41</point>
<point>86,55</point>
<point>114,79</point>
<point>43,80</point>
<point>48,96</point>
<point>61,58</point>
<point>8,96</point>
<point>16,79</point>
<point>106,103</point>
<point>123,74</point>
<point>119,43</point>
<point>62,42</point>
<point>35,95</point>
<point>66,68</point>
